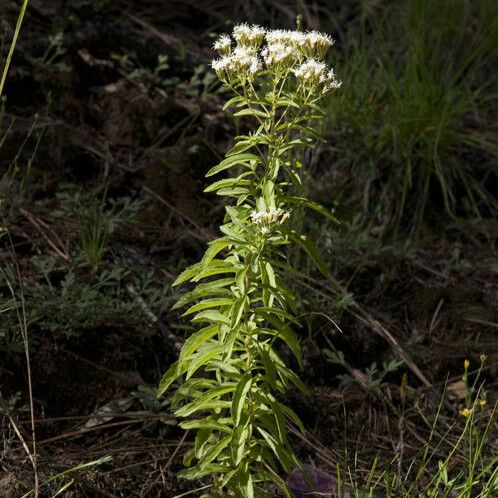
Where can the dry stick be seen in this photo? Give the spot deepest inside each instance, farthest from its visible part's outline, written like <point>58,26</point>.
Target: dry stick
<point>366,318</point>
<point>40,226</point>
<point>177,343</point>
<point>18,433</point>
<point>24,332</point>
<point>81,432</point>
<point>88,362</point>
<point>207,236</point>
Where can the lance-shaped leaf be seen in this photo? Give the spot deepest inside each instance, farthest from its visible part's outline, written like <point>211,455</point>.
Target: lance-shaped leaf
<point>315,206</point>
<point>204,402</point>
<point>242,159</point>
<point>213,249</point>
<point>213,302</point>
<point>240,435</point>
<point>205,470</point>
<point>211,316</point>
<point>312,251</point>
<point>239,397</point>
<point>216,287</point>
<point>201,358</point>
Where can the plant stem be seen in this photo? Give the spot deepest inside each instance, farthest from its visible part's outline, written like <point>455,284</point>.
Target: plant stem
<point>13,45</point>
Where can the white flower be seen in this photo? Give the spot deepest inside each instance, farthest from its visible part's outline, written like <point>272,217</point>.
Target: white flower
<point>278,54</point>
<point>245,59</point>
<point>311,71</point>
<point>284,36</point>
<point>311,44</point>
<point>220,64</point>
<point>255,66</point>
<point>265,219</point>
<point>242,61</point>
<point>331,83</point>
<point>316,44</point>
<point>248,35</point>
<point>223,45</point>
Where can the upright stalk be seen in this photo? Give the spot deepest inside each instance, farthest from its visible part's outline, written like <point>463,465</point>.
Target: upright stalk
<point>277,78</point>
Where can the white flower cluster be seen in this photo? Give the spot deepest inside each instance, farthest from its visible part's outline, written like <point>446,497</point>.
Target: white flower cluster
<point>242,61</point>
<point>278,54</point>
<point>223,45</point>
<point>264,219</point>
<point>247,35</point>
<point>309,44</point>
<point>315,72</point>
<point>286,51</point>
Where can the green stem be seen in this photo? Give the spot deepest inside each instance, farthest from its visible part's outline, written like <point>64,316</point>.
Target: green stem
<point>13,45</point>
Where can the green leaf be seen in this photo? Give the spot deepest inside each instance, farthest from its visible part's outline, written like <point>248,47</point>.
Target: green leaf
<point>285,333</point>
<point>216,267</point>
<point>234,100</point>
<point>202,357</point>
<point>312,251</point>
<point>293,416</point>
<point>211,316</point>
<point>205,470</point>
<point>213,302</point>
<point>237,310</point>
<point>273,477</point>
<point>315,206</point>
<point>247,487</point>
<point>286,373</point>
<point>270,370</point>
<point>239,397</point>
<point>284,457</point>
<point>203,401</point>
<point>229,182</point>
<point>187,274</point>
<point>213,249</point>
<point>196,340</point>
<point>192,388</point>
<point>287,102</point>
<point>269,193</point>
<point>266,311</point>
<point>206,424</point>
<point>269,283</point>
<point>240,436</point>
<point>168,378</point>
<point>230,161</point>
<point>212,453</point>
<point>232,191</point>
<point>241,146</point>
<point>252,112</point>
<point>235,237</point>
<point>216,287</point>
<point>280,422</point>
<point>229,343</point>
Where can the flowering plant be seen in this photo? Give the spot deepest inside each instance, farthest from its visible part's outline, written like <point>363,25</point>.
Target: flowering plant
<point>277,78</point>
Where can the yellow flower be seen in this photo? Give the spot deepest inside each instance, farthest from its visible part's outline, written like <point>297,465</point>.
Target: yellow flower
<point>465,412</point>
<point>466,364</point>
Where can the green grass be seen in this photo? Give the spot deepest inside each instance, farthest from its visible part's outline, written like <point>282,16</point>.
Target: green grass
<point>415,109</point>
<point>13,45</point>
<point>454,461</point>
<point>475,475</point>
